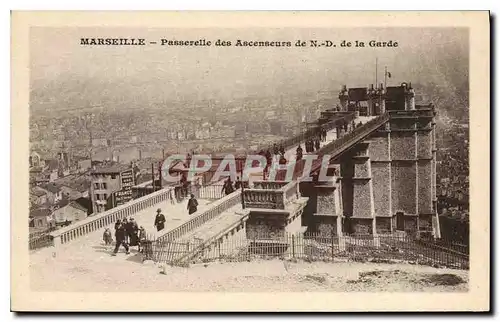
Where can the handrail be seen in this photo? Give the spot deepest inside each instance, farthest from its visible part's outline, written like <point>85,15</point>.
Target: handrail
<point>290,142</point>
<point>340,145</point>
<point>184,258</point>
<point>216,209</point>
<point>99,221</point>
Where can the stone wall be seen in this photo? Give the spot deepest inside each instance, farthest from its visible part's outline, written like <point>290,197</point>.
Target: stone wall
<point>403,187</point>
<point>424,148</point>
<point>383,225</point>
<point>326,201</point>
<point>327,228</point>
<point>411,223</point>
<point>425,187</point>
<point>379,147</point>
<point>402,146</point>
<point>362,226</point>
<point>381,181</point>
<point>425,222</point>
<point>265,225</point>
<point>362,199</point>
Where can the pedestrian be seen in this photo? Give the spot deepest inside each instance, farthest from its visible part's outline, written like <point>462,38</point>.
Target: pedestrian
<point>107,237</point>
<point>275,149</point>
<point>125,226</point>
<point>238,183</point>
<point>132,230</point>
<point>172,196</point>
<point>118,222</point>
<point>227,188</point>
<point>282,149</point>
<point>159,220</point>
<point>192,205</point>
<point>308,146</point>
<point>142,238</point>
<point>299,153</point>
<point>318,145</point>
<point>282,160</point>
<point>120,234</point>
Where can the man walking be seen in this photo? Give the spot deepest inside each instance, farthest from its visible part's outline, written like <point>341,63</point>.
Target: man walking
<point>120,234</point>
<point>227,188</point>
<point>192,205</point>
<point>159,220</point>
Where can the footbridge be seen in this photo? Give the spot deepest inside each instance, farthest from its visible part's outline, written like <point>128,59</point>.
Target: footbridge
<point>216,220</point>
<point>270,208</point>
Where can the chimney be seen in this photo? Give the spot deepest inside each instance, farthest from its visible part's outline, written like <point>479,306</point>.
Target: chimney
<point>371,87</point>
<point>381,85</point>
<point>140,155</point>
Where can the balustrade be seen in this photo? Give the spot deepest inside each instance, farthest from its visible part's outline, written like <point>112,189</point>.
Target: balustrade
<point>272,185</point>
<point>216,209</point>
<point>99,221</point>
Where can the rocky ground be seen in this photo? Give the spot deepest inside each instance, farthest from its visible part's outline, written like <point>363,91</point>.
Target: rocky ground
<point>260,275</point>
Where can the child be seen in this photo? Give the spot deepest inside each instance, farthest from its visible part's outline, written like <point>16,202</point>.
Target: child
<point>107,237</point>
<point>142,237</point>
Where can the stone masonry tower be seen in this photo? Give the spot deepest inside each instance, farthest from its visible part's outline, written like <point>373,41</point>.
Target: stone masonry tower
<point>387,182</point>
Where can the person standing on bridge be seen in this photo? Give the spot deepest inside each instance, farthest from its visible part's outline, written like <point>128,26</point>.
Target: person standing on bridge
<point>282,160</point>
<point>132,230</point>
<point>299,153</point>
<point>142,238</point>
<point>120,235</point>
<point>308,146</point>
<point>238,183</point>
<point>192,205</point>
<point>317,144</point>
<point>276,150</point>
<point>125,226</point>
<point>159,220</point>
<point>227,188</point>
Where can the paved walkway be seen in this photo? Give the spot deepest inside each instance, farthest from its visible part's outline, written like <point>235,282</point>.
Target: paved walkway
<point>91,246</point>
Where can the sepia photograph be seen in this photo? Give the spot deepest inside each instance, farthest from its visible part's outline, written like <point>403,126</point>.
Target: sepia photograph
<point>236,158</point>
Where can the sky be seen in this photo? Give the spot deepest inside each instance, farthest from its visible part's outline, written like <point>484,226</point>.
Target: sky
<point>63,71</point>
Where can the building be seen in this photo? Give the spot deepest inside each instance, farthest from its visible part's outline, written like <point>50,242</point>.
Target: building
<point>54,193</point>
<point>38,196</point>
<point>69,213</point>
<point>110,186</point>
<point>35,159</point>
<point>41,218</point>
<point>100,142</point>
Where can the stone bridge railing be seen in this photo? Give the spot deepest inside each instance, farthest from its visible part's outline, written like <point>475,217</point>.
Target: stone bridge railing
<point>99,221</point>
<point>216,209</point>
<point>342,144</point>
<point>272,197</point>
<point>311,133</point>
<point>276,185</point>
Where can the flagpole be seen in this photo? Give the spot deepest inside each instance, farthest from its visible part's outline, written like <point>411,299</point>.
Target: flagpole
<point>376,72</point>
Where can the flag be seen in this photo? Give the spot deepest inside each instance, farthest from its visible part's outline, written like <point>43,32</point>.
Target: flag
<point>389,74</point>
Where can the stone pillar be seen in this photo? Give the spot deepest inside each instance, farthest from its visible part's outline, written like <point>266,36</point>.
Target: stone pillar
<point>409,98</point>
<point>363,208</point>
